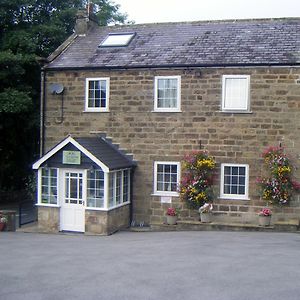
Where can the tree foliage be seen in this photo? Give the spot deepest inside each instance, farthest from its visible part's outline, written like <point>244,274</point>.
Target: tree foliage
<point>29,30</point>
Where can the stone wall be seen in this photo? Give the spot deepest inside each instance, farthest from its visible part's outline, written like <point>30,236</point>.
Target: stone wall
<point>153,136</point>
<point>107,222</point>
<point>48,219</point>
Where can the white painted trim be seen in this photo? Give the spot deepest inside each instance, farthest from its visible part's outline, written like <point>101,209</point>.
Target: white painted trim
<point>107,209</point>
<point>106,186</point>
<point>233,110</point>
<point>47,205</point>
<point>165,193</point>
<point>62,144</point>
<point>169,109</point>
<point>97,109</point>
<point>233,196</point>
<point>39,189</point>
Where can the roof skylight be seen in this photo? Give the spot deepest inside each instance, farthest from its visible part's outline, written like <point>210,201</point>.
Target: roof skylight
<point>117,40</point>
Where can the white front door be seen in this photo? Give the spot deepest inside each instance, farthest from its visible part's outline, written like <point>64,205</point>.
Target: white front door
<point>72,213</point>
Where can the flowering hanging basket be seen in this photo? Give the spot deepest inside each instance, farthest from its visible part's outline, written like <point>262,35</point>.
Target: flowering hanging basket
<point>197,179</point>
<point>277,186</point>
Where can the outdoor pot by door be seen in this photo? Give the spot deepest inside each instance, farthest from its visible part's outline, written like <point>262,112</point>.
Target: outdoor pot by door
<point>205,217</point>
<point>171,220</point>
<point>264,220</point>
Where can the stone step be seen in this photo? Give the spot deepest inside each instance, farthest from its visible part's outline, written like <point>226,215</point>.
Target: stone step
<point>222,226</point>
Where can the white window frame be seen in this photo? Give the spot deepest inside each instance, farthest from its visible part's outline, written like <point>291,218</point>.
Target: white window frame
<point>165,193</point>
<point>167,109</point>
<point>246,107</point>
<point>95,189</point>
<point>114,188</point>
<point>97,109</point>
<point>39,190</point>
<point>235,196</point>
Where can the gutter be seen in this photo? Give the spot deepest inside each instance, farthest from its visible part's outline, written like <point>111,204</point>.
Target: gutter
<point>179,66</point>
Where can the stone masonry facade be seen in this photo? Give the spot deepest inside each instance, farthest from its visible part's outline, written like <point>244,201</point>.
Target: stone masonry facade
<point>156,136</point>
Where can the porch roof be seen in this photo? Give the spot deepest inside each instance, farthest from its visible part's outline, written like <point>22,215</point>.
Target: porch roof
<point>98,149</point>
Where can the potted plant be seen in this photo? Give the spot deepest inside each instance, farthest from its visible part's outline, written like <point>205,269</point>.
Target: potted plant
<point>3,221</point>
<point>264,217</point>
<point>205,212</point>
<point>172,216</point>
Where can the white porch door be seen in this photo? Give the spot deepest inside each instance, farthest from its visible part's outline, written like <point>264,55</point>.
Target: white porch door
<point>72,214</point>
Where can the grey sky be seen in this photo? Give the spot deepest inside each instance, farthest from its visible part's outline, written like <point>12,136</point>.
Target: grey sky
<point>152,11</point>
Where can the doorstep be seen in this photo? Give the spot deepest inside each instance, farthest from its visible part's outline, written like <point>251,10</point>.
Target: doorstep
<point>221,226</point>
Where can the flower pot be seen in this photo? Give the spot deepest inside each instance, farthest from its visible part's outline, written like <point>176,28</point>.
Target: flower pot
<point>2,226</point>
<point>205,217</point>
<point>171,220</point>
<point>264,220</point>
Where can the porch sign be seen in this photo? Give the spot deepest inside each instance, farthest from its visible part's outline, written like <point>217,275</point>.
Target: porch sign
<point>71,157</point>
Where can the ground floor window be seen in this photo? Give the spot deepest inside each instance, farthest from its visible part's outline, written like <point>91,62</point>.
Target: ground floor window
<point>234,181</point>
<point>119,188</point>
<point>166,178</point>
<point>95,188</point>
<point>48,186</point>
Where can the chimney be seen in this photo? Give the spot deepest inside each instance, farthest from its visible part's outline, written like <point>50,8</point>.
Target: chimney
<point>85,19</point>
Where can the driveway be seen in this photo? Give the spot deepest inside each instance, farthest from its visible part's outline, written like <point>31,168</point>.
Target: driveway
<point>152,265</point>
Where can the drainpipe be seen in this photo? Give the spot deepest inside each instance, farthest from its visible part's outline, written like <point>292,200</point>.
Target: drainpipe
<point>131,196</point>
<point>42,113</point>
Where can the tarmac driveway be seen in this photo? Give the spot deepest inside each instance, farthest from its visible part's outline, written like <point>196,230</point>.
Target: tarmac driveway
<point>152,265</point>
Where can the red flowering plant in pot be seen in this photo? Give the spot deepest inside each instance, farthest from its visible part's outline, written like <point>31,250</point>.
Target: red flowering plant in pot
<point>3,221</point>
<point>196,182</point>
<point>172,215</point>
<point>265,217</point>
<point>278,186</point>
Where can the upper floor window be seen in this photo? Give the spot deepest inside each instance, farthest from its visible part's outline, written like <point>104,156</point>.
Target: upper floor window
<point>234,181</point>
<point>167,94</point>
<point>166,178</point>
<point>235,93</point>
<point>97,94</point>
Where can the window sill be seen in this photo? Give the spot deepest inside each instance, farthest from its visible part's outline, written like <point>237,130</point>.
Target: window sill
<point>47,205</point>
<point>165,195</point>
<point>166,111</point>
<point>95,111</point>
<point>107,209</point>
<point>232,198</point>
<point>236,112</point>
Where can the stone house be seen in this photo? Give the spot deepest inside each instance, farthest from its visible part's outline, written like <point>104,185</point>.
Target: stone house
<point>122,105</point>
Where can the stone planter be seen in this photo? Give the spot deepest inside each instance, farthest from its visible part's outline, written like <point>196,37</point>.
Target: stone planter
<point>205,217</point>
<point>2,226</point>
<point>264,220</point>
<point>171,220</point>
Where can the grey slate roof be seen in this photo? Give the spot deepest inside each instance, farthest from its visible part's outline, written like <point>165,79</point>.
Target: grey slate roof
<point>107,153</point>
<point>211,43</point>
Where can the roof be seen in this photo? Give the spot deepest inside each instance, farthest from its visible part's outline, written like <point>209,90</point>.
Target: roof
<point>98,149</point>
<point>205,43</point>
<point>106,152</point>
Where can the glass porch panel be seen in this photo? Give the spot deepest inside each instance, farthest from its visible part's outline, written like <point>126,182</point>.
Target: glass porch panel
<point>73,188</point>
